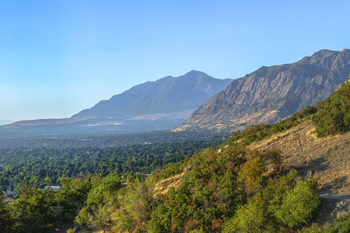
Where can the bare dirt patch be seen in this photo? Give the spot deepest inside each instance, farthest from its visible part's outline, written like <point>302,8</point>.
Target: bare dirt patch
<point>163,186</point>
<point>328,158</point>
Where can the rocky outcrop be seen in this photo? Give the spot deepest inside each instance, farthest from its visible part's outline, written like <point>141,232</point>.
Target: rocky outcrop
<point>272,93</point>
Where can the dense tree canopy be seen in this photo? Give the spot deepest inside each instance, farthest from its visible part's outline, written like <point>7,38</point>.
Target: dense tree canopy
<point>47,166</point>
<point>228,189</point>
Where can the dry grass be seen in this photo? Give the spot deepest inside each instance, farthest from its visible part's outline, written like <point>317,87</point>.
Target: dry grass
<point>328,157</point>
<point>163,186</point>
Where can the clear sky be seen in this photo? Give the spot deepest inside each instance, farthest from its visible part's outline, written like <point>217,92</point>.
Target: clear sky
<point>58,57</point>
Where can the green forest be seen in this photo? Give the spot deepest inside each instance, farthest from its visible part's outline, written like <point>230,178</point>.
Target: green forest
<point>37,164</point>
<point>227,189</point>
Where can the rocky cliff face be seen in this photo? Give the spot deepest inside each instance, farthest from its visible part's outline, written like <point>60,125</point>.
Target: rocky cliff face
<point>272,93</point>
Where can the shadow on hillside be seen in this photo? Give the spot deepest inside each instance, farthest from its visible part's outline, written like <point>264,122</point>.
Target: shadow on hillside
<point>313,165</point>
<point>332,205</point>
<point>335,184</point>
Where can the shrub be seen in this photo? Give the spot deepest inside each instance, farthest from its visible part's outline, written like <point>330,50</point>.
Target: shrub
<point>249,218</point>
<point>314,228</point>
<point>299,204</point>
<point>333,114</point>
<point>342,225</point>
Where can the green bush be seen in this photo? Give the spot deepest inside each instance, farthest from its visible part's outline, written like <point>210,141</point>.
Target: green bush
<point>249,218</point>
<point>314,228</point>
<point>333,114</point>
<point>342,226</point>
<point>299,204</point>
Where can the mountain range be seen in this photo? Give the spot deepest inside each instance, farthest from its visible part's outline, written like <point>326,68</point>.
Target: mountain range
<point>272,93</point>
<point>156,105</point>
<point>4,122</point>
<point>198,102</point>
<point>169,95</point>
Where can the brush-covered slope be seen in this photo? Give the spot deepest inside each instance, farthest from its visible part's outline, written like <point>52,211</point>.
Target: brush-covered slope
<point>314,139</point>
<point>269,186</point>
<point>301,149</point>
<point>166,95</point>
<point>272,93</point>
<point>231,189</point>
<point>326,159</point>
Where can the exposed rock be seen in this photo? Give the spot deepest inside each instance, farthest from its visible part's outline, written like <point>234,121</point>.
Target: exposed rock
<point>272,93</point>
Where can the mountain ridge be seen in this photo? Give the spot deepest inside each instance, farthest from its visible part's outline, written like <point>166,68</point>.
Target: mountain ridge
<point>272,93</point>
<point>153,105</point>
<point>165,95</point>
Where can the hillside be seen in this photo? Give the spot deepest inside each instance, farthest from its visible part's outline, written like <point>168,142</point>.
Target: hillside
<point>272,93</point>
<point>314,140</point>
<point>283,177</point>
<point>327,157</point>
<point>312,144</point>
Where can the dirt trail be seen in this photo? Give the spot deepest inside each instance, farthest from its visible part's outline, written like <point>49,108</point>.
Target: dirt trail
<point>332,207</point>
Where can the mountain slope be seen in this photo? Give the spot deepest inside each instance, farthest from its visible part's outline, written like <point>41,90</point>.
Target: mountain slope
<point>304,144</point>
<point>272,93</point>
<point>166,95</point>
<point>315,142</point>
<point>327,157</point>
<point>4,122</point>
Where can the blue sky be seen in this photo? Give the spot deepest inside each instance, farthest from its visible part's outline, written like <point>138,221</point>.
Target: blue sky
<point>58,57</point>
